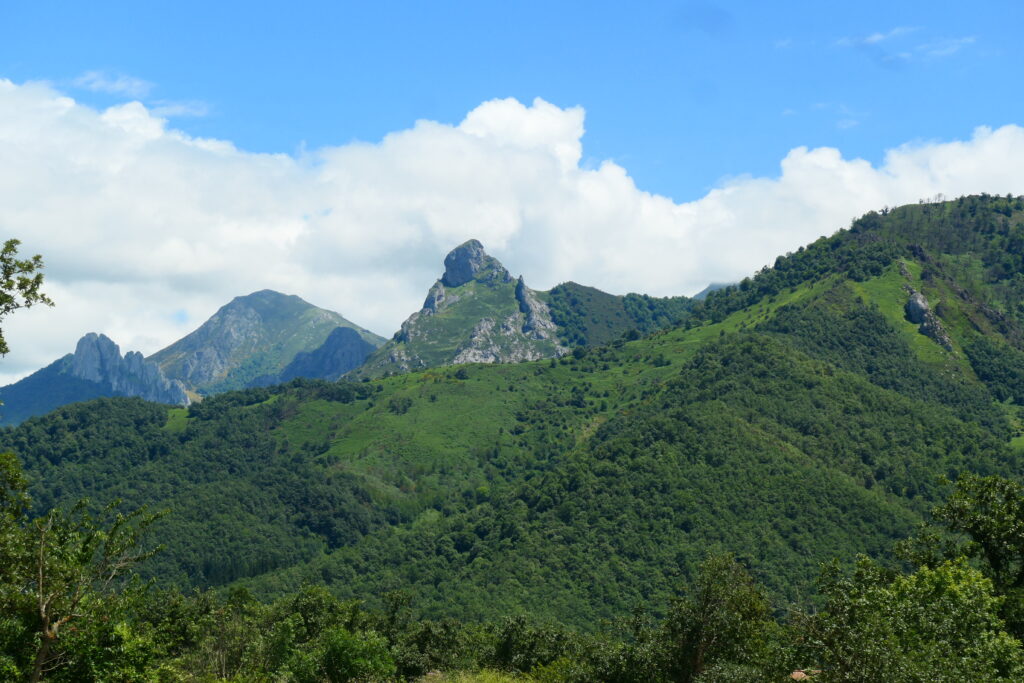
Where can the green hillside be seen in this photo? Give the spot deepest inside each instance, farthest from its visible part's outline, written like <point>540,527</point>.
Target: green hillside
<point>589,317</point>
<point>48,387</point>
<point>477,313</point>
<point>795,417</point>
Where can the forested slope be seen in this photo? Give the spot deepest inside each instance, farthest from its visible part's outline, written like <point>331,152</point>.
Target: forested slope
<point>795,417</point>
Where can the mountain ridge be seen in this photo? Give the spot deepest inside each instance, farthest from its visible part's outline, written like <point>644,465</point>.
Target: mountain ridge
<point>476,312</point>
<point>796,416</point>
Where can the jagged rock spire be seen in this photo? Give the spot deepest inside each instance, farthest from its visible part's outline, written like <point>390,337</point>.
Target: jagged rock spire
<point>469,261</point>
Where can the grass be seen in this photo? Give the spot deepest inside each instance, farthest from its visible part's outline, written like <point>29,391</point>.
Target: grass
<point>177,420</point>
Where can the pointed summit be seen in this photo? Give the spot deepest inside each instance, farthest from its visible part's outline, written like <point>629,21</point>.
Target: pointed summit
<point>476,313</point>
<point>250,338</point>
<point>469,261</point>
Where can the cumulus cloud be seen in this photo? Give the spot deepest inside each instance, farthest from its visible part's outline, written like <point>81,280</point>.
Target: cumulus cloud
<point>146,231</point>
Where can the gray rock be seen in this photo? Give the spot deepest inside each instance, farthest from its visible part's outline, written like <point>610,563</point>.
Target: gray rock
<point>463,322</point>
<point>919,312</point>
<point>435,298</point>
<point>469,261</point>
<point>917,308</point>
<point>538,316</point>
<point>98,359</point>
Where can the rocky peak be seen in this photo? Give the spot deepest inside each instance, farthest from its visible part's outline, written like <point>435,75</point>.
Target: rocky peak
<point>96,355</point>
<point>469,261</point>
<point>98,359</point>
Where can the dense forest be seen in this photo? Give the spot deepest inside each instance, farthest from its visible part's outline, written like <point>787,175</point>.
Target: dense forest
<point>796,475</point>
<point>72,611</point>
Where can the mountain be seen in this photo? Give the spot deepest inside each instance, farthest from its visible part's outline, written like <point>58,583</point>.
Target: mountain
<point>477,313</point>
<point>250,338</point>
<point>95,369</point>
<point>713,287</point>
<point>808,412</point>
<point>343,350</point>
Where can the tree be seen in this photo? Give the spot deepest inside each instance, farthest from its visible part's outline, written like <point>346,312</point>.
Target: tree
<point>75,570</point>
<point>725,619</point>
<point>65,567</point>
<point>986,518</point>
<point>20,282</point>
<point>56,571</point>
<point>937,624</point>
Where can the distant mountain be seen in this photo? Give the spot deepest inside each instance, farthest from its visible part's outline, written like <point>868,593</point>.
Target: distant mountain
<point>94,370</point>
<point>478,313</point>
<point>250,339</point>
<point>342,351</point>
<point>713,287</point>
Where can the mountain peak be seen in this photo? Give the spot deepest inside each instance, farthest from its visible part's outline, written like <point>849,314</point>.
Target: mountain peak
<point>469,261</point>
<point>251,338</point>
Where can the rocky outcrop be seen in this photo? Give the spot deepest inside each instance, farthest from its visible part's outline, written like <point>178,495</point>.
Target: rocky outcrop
<point>538,317</point>
<point>472,314</point>
<point>917,308</point>
<point>98,359</point>
<point>469,261</point>
<point>508,342</point>
<point>920,313</point>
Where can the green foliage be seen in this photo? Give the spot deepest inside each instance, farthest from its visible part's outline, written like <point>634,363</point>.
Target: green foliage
<point>1000,366</point>
<point>589,317</point>
<point>723,621</point>
<point>228,474</point>
<point>20,282</point>
<point>937,624</point>
<point>790,419</point>
<point>60,588</point>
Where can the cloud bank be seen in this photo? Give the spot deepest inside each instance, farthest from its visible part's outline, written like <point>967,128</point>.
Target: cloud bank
<point>146,231</point>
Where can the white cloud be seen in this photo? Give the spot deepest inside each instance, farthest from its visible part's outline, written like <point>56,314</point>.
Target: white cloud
<point>192,108</point>
<point>945,48</point>
<point>893,33</point>
<point>146,231</point>
<point>113,84</point>
<point>876,37</point>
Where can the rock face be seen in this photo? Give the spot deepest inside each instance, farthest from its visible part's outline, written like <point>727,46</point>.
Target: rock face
<point>920,313</point>
<point>95,370</point>
<point>475,313</point>
<point>469,261</point>
<point>249,339</point>
<point>98,359</point>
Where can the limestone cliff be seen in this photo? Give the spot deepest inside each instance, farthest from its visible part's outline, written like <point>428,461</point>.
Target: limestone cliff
<point>95,370</point>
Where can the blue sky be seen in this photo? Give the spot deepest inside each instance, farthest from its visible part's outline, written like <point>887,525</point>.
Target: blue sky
<point>680,93</point>
<point>165,157</point>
